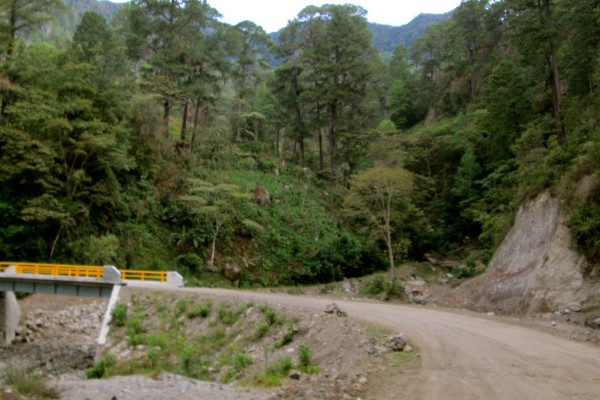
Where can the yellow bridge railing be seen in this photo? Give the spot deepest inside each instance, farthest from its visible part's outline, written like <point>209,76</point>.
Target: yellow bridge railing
<point>80,271</point>
<point>143,275</point>
<point>73,271</point>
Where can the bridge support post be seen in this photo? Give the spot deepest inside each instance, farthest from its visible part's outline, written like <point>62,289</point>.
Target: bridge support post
<point>10,314</point>
<point>106,321</point>
<point>173,278</point>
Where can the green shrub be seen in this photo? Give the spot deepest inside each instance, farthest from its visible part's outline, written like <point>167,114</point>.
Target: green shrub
<point>241,360</point>
<point>378,285</point>
<point>154,356</point>
<point>134,325</point>
<point>267,379</point>
<point>585,227</point>
<point>464,272</point>
<point>226,315</point>
<point>137,339</point>
<point>270,314</point>
<point>201,310</point>
<point>29,385</point>
<point>373,286</point>
<point>102,368</point>
<point>119,314</point>
<point>281,367</point>
<point>188,356</point>
<point>261,330</point>
<point>287,338</point>
<point>181,307</point>
<point>304,356</point>
<point>393,289</point>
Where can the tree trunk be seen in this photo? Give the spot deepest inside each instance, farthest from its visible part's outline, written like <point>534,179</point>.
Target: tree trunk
<point>546,16</point>
<point>301,140</point>
<point>388,242</point>
<point>166,113</point>
<point>184,120</point>
<point>321,161</point>
<point>12,29</point>
<point>332,140</point>
<point>196,122</point>
<point>55,241</point>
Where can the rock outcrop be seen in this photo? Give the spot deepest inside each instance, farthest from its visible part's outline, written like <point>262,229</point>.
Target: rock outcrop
<point>534,270</point>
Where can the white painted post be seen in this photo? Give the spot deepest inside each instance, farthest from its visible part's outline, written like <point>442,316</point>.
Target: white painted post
<point>114,297</point>
<point>10,314</point>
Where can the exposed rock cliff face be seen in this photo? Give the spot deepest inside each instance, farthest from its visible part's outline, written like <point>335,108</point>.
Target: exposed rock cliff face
<point>534,270</point>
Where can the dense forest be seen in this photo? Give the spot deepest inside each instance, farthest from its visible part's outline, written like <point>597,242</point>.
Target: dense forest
<point>152,141</point>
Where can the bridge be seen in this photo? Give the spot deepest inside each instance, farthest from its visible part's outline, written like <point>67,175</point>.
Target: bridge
<point>63,279</point>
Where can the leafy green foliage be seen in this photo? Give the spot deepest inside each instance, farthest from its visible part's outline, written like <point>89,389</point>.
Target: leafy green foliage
<point>30,385</point>
<point>483,111</point>
<point>102,368</point>
<point>378,285</point>
<point>119,314</point>
<point>585,225</point>
<point>270,315</point>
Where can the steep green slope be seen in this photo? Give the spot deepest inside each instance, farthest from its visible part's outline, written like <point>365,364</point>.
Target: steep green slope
<point>386,37</point>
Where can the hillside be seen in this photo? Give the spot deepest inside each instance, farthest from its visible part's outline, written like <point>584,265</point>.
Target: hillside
<point>62,28</point>
<point>386,37</point>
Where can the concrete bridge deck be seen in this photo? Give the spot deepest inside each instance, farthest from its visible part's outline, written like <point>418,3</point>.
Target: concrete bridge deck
<point>63,279</point>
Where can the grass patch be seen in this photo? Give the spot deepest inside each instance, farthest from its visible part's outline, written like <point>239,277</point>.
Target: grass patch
<point>227,315</point>
<point>200,310</point>
<point>119,314</point>
<point>216,351</point>
<point>30,385</point>
<point>102,368</point>
<point>378,285</point>
<point>261,330</point>
<point>270,314</point>
<point>287,338</point>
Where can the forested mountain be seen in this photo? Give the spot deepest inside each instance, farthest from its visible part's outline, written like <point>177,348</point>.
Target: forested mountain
<point>61,28</point>
<point>151,142</point>
<point>386,37</point>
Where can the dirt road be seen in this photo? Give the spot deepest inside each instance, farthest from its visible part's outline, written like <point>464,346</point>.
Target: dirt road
<point>466,357</point>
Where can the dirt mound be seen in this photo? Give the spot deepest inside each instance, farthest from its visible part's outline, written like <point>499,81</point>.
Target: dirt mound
<point>534,270</point>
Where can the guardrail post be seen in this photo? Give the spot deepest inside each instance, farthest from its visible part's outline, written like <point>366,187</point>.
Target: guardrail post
<point>173,278</point>
<point>111,274</point>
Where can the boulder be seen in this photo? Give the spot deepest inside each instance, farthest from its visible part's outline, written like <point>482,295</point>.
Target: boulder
<point>593,322</point>
<point>334,309</point>
<point>396,342</point>
<point>232,272</point>
<point>261,196</point>
<point>295,375</point>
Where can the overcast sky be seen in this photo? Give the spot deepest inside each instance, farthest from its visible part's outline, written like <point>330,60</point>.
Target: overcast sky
<point>273,15</point>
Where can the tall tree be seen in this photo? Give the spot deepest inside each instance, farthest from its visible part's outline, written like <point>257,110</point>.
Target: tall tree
<point>379,196</point>
<point>535,33</point>
<point>250,41</point>
<point>157,29</point>
<point>336,48</point>
<point>19,15</point>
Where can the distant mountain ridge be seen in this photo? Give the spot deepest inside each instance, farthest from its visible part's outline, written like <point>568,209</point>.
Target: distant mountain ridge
<point>385,37</point>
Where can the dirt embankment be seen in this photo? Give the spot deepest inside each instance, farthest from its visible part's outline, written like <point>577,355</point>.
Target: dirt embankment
<point>57,340</point>
<point>535,270</point>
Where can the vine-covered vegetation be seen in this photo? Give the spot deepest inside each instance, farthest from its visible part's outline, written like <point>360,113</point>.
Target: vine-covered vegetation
<point>141,142</point>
